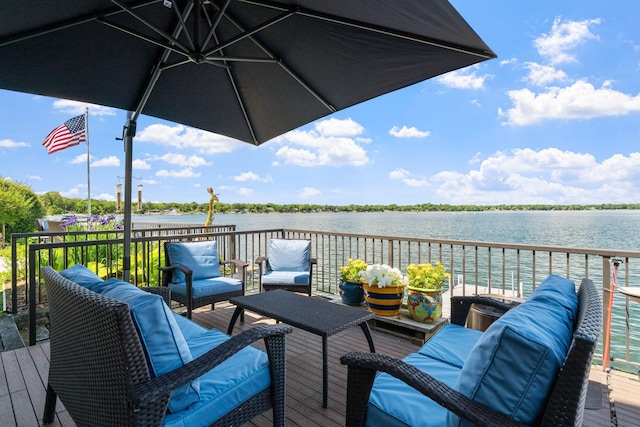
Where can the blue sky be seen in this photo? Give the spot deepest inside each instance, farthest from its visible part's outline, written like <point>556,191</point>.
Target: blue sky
<point>554,120</point>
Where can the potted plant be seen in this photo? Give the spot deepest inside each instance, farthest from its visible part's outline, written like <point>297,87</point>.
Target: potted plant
<point>383,289</point>
<point>350,285</point>
<point>424,291</point>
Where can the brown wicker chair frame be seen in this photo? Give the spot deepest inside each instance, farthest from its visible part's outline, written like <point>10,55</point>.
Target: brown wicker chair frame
<point>565,404</point>
<point>99,371</point>
<point>167,273</point>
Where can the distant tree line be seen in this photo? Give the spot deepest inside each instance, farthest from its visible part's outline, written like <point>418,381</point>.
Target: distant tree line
<point>55,204</point>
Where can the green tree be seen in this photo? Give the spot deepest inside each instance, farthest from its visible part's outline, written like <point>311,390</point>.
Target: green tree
<point>19,208</point>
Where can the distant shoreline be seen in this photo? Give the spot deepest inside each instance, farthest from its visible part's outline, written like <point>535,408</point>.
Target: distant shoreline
<point>244,208</point>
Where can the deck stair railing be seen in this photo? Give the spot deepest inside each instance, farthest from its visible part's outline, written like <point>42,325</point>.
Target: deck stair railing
<point>476,267</point>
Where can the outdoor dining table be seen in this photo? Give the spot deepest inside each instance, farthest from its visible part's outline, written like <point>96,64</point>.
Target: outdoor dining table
<point>314,315</point>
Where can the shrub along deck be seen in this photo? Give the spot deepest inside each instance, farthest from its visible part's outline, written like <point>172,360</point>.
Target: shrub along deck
<point>23,375</point>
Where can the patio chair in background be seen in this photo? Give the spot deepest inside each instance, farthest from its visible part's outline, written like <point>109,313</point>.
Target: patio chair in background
<point>192,272</point>
<point>288,265</point>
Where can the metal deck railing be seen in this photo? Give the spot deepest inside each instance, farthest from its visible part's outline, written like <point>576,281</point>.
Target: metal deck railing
<point>482,267</point>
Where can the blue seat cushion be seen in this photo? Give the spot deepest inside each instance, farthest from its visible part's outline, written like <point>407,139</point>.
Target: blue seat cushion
<point>451,344</point>
<point>289,255</point>
<point>207,287</point>
<point>82,276</point>
<point>393,403</point>
<point>201,257</point>
<point>165,346</point>
<point>234,381</point>
<point>520,354</point>
<point>285,278</point>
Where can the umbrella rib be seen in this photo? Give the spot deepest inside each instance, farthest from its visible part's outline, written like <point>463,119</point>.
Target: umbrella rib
<point>248,33</point>
<point>288,70</point>
<point>149,25</point>
<point>182,23</point>
<point>70,23</point>
<point>158,68</point>
<point>378,29</point>
<point>215,23</point>
<point>181,51</point>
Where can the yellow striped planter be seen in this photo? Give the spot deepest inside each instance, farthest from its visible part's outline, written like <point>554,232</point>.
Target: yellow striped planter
<point>383,301</point>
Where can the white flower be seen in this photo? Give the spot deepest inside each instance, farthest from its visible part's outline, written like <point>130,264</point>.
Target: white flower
<point>383,275</point>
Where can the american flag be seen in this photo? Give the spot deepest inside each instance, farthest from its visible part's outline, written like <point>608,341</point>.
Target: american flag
<point>72,132</point>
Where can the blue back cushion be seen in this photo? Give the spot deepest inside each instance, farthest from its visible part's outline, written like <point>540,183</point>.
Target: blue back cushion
<point>289,255</point>
<point>82,276</point>
<point>166,347</point>
<point>201,257</point>
<point>520,355</point>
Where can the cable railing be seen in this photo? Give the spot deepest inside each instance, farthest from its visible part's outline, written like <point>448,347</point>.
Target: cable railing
<point>476,267</point>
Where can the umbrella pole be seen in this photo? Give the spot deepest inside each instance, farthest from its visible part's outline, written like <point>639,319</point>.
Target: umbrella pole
<point>607,341</point>
<point>129,133</point>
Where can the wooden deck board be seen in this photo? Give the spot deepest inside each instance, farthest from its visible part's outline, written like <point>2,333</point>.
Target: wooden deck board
<point>23,376</point>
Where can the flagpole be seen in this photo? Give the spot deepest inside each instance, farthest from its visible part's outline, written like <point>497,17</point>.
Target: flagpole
<point>86,125</point>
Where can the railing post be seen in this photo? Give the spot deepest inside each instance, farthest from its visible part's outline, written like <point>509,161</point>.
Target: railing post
<point>32,297</point>
<point>606,295</point>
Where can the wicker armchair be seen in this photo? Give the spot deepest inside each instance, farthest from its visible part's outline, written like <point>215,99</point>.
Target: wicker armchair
<point>99,371</point>
<point>288,266</point>
<point>190,296</point>
<point>565,404</point>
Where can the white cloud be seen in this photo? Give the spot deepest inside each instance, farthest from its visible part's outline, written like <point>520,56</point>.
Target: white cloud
<point>75,107</point>
<point>399,174</point>
<point>251,176</point>
<point>329,144</point>
<point>111,161</point>
<point>182,160</point>
<point>245,192</point>
<point>339,127</point>
<point>578,101</point>
<point>140,164</point>
<point>542,75</point>
<point>80,158</point>
<point>8,143</point>
<point>564,36</point>
<point>406,132</point>
<point>35,177</point>
<point>408,178</point>
<point>508,61</point>
<point>180,136</point>
<point>105,196</point>
<point>184,173</point>
<point>308,192</point>
<point>465,78</point>
<point>74,191</point>
<point>548,176</point>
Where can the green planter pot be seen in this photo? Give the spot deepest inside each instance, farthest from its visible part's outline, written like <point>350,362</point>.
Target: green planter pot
<point>425,305</point>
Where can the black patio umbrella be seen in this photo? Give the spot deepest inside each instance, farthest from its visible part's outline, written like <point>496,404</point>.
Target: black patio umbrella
<point>247,69</point>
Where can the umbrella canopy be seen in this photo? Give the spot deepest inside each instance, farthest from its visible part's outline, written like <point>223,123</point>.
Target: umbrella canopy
<point>247,69</point>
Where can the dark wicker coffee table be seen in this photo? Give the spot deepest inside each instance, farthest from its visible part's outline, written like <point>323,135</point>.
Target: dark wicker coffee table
<point>313,315</point>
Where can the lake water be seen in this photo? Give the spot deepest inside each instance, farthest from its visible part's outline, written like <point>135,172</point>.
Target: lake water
<point>618,229</point>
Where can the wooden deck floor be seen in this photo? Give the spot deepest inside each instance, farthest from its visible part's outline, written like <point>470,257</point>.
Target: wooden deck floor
<point>23,375</point>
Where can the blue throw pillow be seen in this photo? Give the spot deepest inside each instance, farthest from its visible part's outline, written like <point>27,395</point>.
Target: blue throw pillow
<point>201,257</point>
<point>289,255</point>
<point>81,275</point>
<point>520,355</point>
<point>166,347</point>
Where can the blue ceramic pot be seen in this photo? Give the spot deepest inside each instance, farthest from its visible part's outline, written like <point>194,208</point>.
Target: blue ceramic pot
<point>351,293</point>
